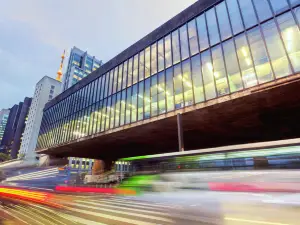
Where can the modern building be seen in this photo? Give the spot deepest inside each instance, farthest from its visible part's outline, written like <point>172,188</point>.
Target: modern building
<point>14,129</point>
<point>45,90</point>
<point>219,73</point>
<point>80,65</point>
<point>4,113</point>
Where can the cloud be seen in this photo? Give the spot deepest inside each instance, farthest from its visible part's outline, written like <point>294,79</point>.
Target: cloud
<point>34,34</point>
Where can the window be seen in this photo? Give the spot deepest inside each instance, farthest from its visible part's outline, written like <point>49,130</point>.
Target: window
<point>124,82</point>
<point>153,90</point>
<point>129,76</point>
<point>193,38</point>
<point>168,53</point>
<point>175,47</point>
<point>235,16</point>
<point>197,79</point>
<point>202,32</point>
<point>248,13</point>
<point>208,78</point>
<point>277,54</point>
<point>123,106</point>
<point>245,60</point>
<point>290,34</point>
<point>263,9</point>
<point>177,79</point>
<point>187,83</point>
<point>120,70</point>
<point>184,45</point>
<point>115,80</point>
<point>128,106</point>
<point>147,62</point>
<point>294,2</point>
<point>260,57</point>
<point>135,68</point>
<point>279,6</point>
<point>112,111</point>
<point>223,21</point>
<point>117,110</point>
<point>147,99</point>
<point>160,56</point>
<point>219,71</point>
<point>231,62</point>
<point>142,65</point>
<point>153,59</point>
<point>141,101</point>
<point>212,25</point>
<point>169,89</point>
<point>161,93</point>
<point>134,103</point>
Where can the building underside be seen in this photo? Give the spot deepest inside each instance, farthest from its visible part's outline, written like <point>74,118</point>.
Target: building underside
<point>263,113</point>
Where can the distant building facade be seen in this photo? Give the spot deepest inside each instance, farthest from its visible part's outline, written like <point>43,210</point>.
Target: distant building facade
<point>4,113</point>
<point>46,89</point>
<point>80,65</point>
<point>14,129</point>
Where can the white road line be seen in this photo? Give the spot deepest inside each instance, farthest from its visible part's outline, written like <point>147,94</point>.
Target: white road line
<point>122,212</point>
<point>14,216</point>
<point>117,218</point>
<point>40,211</point>
<point>16,211</point>
<point>126,208</point>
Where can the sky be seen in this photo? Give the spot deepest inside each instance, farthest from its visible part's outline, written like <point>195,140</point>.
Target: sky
<point>34,33</point>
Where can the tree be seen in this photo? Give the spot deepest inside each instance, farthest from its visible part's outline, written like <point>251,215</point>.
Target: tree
<point>4,157</point>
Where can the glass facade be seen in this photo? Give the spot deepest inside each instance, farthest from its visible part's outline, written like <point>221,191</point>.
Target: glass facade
<point>234,45</point>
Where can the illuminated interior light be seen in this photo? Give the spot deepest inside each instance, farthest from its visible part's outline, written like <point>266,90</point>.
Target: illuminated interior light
<point>216,74</point>
<point>244,52</point>
<point>209,66</point>
<point>248,61</point>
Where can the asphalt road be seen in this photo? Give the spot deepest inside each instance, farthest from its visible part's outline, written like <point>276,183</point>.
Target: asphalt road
<point>189,207</point>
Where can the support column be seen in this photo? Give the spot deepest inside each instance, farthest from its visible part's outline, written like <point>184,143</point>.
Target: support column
<point>180,133</point>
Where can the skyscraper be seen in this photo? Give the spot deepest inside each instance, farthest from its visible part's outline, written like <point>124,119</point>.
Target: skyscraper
<point>46,89</point>
<point>3,121</point>
<point>14,129</point>
<point>80,65</point>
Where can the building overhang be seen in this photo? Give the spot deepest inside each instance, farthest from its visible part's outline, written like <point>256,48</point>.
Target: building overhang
<point>263,113</point>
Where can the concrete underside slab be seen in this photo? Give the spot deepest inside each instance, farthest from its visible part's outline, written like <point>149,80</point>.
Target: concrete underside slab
<point>268,112</point>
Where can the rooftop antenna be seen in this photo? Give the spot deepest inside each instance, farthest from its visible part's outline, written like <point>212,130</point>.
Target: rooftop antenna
<point>59,72</point>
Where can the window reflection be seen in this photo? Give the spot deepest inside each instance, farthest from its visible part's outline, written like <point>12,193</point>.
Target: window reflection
<point>160,53</point>
<point>153,59</point>
<point>184,42</point>
<point>153,91</point>
<point>193,38</point>
<point>130,73</point>
<point>134,104</point>
<point>219,71</point>
<point>161,93</point>
<point>120,70</point>
<point>187,83</point>
<point>235,16</point>
<point>117,110</point>
<point>279,6</point>
<point>223,21</point>
<point>135,69</point>
<point>212,26</point>
<point>128,106</point>
<point>147,62</point>
<point>168,53</point>
<point>175,47</point>
<point>124,82</point>
<point>141,65</point>
<point>277,54</point>
<point>169,89</point>
<point>245,60</point>
<point>123,107</point>
<point>263,9</point>
<point>202,32</point>
<point>147,99</point>
<point>290,34</point>
<point>208,78</point>
<point>177,79</point>
<point>141,101</point>
<point>197,79</point>
<point>260,57</point>
<point>248,13</point>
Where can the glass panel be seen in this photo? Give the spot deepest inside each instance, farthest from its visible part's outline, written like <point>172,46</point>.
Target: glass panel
<point>134,103</point>
<point>142,66</point>
<point>161,89</point>
<point>120,77</point>
<point>223,20</point>
<point>128,106</point>
<point>129,76</point>
<point>112,111</point>
<point>294,2</point>
<point>233,71</point>
<point>178,87</point>
<point>117,110</point>
<point>248,13</point>
<point>219,71</point>
<point>246,64</point>
<point>147,100</point>
<point>168,54</point>
<point>279,6</point>
<point>277,54</point>
<point>169,89</point>
<point>135,68</point>
<point>147,62</point>
<point>153,95</point>
<point>208,78</point>
<point>263,9</point>
<point>161,63</point>
<point>184,42</point>
<point>103,117</point>
<point>260,58</point>
<point>111,78</point>
<point>187,83</point>
<point>115,80</point>
<point>123,106</point>
<point>290,34</point>
<point>235,16</point>
<point>175,47</point>
<point>102,87</point>
<point>141,101</point>
<point>153,59</point>
<point>193,38</point>
<point>99,114</point>
<point>202,32</point>
<point>108,111</point>
<point>197,79</point>
<point>212,26</point>
<point>124,82</point>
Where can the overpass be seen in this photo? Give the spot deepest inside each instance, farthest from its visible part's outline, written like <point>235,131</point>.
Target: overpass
<point>210,76</point>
